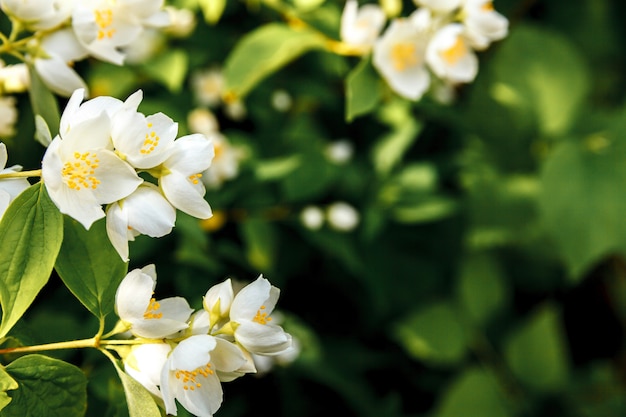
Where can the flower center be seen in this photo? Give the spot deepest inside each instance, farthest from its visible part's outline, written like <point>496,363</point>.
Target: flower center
<point>190,378</point>
<point>261,316</point>
<point>104,20</point>
<point>195,178</point>
<point>487,6</point>
<point>150,142</point>
<point>453,54</point>
<point>152,310</point>
<point>403,56</point>
<point>80,173</point>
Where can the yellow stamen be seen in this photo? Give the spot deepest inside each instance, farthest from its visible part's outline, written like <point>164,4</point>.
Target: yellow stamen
<point>190,378</point>
<point>487,6</point>
<point>104,20</point>
<point>453,54</point>
<point>152,310</point>
<point>261,317</point>
<point>403,56</point>
<point>82,172</point>
<point>195,178</point>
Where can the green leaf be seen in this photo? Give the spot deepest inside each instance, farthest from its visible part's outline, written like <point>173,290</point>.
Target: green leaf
<point>47,388</point>
<point>260,241</point>
<point>425,209</point>
<point>536,352</point>
<point>31,233</point>
<point>263,52</point>
<point>433,334</point>
<point>267,170</point>
<point>390,149</point>
<point>481,288</point>
<point>169,68</point>
<point>540,71</point>
<point>474,393</point>
<point>42,100</point>
<point>139,400</point>
<point>363,90</point>
<point>89,266</point>
<point>6,384</point>
<point>581,200</point>
<point>212,10</point>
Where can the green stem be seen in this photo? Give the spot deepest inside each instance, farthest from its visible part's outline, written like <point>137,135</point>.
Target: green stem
<point>73,344</point>
<point>21,174</point>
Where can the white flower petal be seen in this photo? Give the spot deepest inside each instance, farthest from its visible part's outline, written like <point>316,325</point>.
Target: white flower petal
<point>133,295</point>
<point>117,230</point>
<point>186,196</point>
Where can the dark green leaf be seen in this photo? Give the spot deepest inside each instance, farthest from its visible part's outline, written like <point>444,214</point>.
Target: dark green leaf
<point>89,266</point>
<point>363,90</point>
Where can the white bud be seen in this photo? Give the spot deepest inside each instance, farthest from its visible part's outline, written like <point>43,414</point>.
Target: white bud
<point>342,216</point>
<point>312,217</point>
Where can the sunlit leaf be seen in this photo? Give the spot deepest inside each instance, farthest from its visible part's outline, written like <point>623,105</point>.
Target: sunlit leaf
<point>31,233</point>
<point>363,90</point>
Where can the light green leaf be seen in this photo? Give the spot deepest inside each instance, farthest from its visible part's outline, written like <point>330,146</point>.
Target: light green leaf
<point>263,52</point>
<point>139,400</point>
<point>260,241</point>
<point>363,90</point>
<point>89,266</point>
<point>474,393</point>
<point>47,388</point>
<point>31,233</point>
<point>42,100</point>
<point>582,203</point>
<point>434,335</point>
<point>278,168</point>
<point>481,287</point>
<point>212,10</point>
<point>6,384</point>
<point>390,149</point>
<point>427,209</point>
<point>536,352</point>
<point>169,68</point>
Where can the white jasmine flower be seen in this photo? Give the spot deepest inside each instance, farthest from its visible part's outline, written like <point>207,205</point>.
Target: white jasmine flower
<point>250,315</point>
<point>208,86</point>
<point>145,363</point>
<point>339,151</point>
<point>181,178</point>
<point>38,14</point>
<point>399,57</point>
<point>8,117</point>
<point>182,22</point>
<point>281,100</point>
<point>9,187</point>
<point>439,6</point>
<point>143,142</point>
<point>144,212</point>
<point>225,164</point>
<point>342,216</point>
<point>450,57</point>
<point>103,26</point>
<point>14,78</point>
<point>217,301</point>
<point>201,120</point>
<point>148,44</point>
<point>360,27</point>
<point>236,110</point>
<point>60,50</point>
<point>483,24</point>
<point>190,375</point>
<point>79,169</point>
<point>147,317</point>
<point>312,217</point>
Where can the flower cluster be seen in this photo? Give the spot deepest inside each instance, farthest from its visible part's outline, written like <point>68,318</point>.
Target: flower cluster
<point>102,146</point>
<point>184,356</point>
<point>66,31</point>
<point>434,47</point>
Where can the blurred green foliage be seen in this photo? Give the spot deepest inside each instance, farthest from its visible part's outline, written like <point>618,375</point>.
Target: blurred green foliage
<point>486,277</point>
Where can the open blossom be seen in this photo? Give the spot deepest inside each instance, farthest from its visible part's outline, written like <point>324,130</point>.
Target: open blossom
<point>145,363</point>
<point>361,26</point>
<point>79,169</point>
<point>103,27</point>
<point>190,374</point>
<point>181,175</point>
<point>14,78</point>
<point>225,164</point>
<point>399,57</point>
<point>38,14</point>
<point>146,316</point>
<point>450,57</point>
<point>250,315</point>
<point>483,24</point>
<point>59,50</point>
<point>144,212</point>
<point>9,187</point>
